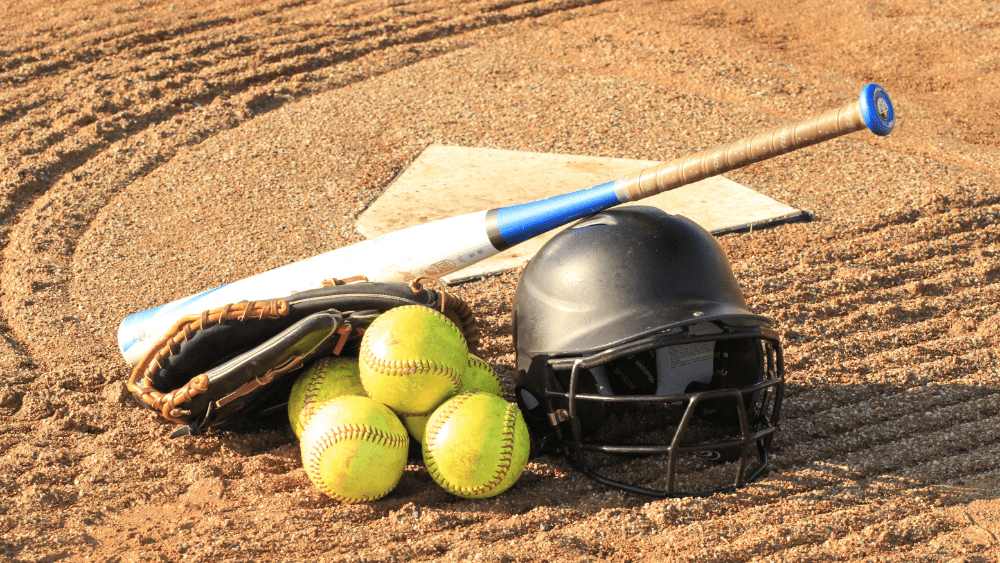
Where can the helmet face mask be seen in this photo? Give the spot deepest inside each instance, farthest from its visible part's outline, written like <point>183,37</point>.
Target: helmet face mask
<point>602,433</point>
<point>684,399</point>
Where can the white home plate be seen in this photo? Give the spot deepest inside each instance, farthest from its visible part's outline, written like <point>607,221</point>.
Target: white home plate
<point>445,181</point>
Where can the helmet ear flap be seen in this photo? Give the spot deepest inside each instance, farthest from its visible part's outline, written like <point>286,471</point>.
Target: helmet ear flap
<point>531,399</point>
<point>541,417</point>
<point>590,414</point>
<point>534,412</point>
<point>737,364</point>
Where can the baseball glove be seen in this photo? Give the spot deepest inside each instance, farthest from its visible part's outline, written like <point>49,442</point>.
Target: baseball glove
<point>234,362</point>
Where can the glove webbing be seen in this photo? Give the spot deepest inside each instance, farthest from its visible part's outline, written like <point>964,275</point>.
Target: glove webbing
<point>141,381</point>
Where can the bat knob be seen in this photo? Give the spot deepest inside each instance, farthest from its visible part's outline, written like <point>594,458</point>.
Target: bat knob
<point>876,109</point>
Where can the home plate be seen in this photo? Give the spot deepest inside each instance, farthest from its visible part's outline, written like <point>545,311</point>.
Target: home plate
<point>445,181</point>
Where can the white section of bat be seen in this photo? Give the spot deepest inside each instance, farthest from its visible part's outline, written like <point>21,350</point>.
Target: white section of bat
<point>433,250</point>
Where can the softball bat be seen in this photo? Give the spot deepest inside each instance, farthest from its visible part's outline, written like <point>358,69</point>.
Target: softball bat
<point>439,248</point>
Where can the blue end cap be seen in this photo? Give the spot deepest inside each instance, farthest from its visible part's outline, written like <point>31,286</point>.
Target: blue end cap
<point>876,109</point>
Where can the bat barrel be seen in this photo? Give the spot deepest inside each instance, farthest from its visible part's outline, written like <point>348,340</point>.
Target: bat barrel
<point>872,111</point>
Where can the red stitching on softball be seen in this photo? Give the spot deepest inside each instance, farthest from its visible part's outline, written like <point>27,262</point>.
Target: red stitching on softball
<point>312,390</point>
<point>430,434</point>
<point>506,449</point>
<point>349,432</point>
<point>477,361</point>
<point>408,367</point>
<point>432,429</point>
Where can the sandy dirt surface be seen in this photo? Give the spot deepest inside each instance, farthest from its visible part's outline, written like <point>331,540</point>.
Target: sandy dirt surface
<point>151,149</point>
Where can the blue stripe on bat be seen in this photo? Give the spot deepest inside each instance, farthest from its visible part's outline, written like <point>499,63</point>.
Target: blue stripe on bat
<point>518,223</point>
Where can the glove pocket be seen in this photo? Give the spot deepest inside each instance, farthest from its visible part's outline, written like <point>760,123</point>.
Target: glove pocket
<point>259,378</point>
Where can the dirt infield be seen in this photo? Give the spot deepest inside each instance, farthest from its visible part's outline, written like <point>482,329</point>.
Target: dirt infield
<point>151,149</point>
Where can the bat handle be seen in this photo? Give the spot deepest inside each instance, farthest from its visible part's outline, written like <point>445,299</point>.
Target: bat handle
<point>873,111</point>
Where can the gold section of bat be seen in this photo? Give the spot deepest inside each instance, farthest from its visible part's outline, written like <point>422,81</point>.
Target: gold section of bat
<point>748,150</point>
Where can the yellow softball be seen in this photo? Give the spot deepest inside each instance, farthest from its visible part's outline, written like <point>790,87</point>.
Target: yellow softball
<point>324,379</point>
<point>476,445</point>
<point>354,449</point>
<point>412,359</point>
<point>478,375</point>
